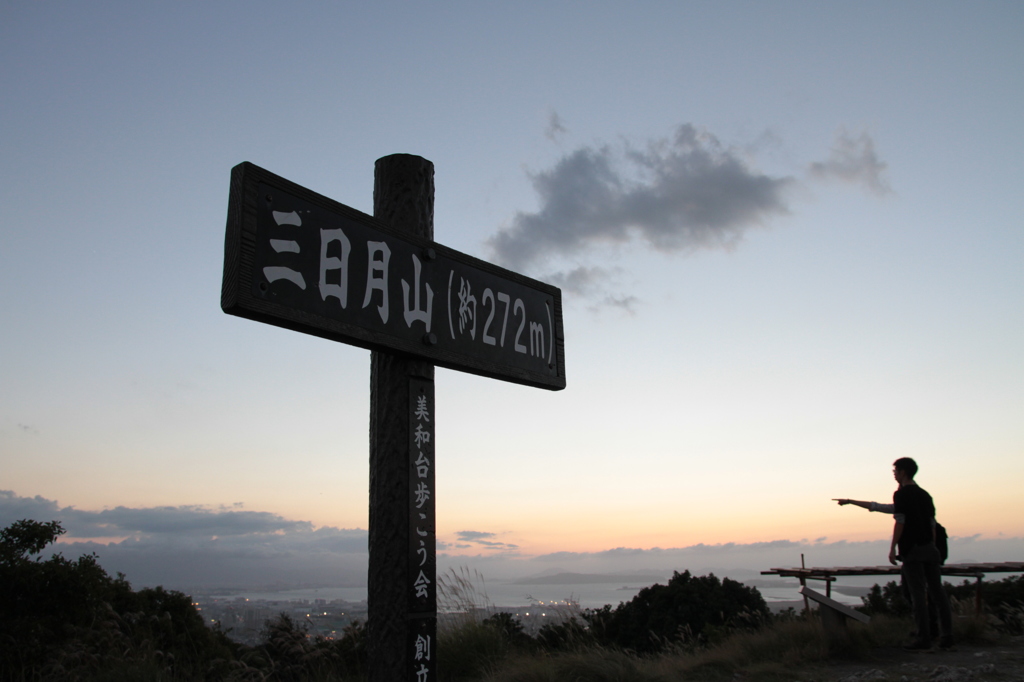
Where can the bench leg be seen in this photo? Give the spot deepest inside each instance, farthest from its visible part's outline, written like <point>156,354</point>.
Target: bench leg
<point>833,621</point>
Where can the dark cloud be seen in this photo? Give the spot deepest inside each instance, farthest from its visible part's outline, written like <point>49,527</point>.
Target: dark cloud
<point>633,553</point>
<point>474,538</point>
<point>14,507</point>
<point>626,304</point>
<point>186,520</point>
<point>678,194</point>
<point>190,546</point>
<point>730,558</point>
<point>194,548</point>
<point>470,535</point>
<point>555,128</point>
<point>587,281</point>
<point>674,195</point>
<point>581,280</point>
<point>853,160</point>
<point>328,557</point>
<point>149,521</point>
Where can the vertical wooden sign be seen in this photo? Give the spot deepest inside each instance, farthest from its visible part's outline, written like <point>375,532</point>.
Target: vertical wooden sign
<point>401,586</point>
<point>291,257</point>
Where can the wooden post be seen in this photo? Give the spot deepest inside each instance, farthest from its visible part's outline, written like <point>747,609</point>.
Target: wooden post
<point>402,594</point>
<point>803,583</point>
<point>290,256</point>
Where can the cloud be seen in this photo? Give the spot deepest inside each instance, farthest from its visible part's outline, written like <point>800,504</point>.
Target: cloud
<point>626,304</point>
<point>555,127</point>
<point>472,538</point>
<point>179,521</point>
<point>472,535</point>
<point>193,548</point>
<point>729,557</point>
<point>673,195</point>
<point>14,507</point>
<point>699,549</point>
<point>677,194</point>
<point>586,281</point>
<point>183,521</point>
<point>582,279</point>
<point>190,546</point>
<point>853,160</point>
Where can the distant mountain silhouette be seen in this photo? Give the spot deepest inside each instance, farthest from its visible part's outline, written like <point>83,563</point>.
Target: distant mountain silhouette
<point>591,579</point>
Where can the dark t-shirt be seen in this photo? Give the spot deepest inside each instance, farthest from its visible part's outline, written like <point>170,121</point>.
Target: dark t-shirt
<point>919,512</point>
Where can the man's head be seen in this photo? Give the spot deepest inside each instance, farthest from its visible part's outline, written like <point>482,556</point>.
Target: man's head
<point>905,466</point>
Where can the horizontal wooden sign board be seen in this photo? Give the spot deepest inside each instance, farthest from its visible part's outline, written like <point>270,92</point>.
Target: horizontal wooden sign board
<point>296,259</point>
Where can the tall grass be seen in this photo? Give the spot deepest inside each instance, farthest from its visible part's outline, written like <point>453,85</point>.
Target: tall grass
<point>467,649</point>
<point>462,597</point>
<point>770,653</point>
<point>591,664</point>
<point>474,646</point>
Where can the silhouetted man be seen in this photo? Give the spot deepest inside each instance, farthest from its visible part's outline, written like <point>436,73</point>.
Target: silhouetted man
<point>940,534</point>
<point>913,542</point>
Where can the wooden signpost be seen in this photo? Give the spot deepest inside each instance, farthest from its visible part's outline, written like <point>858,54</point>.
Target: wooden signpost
<point>296,259</point>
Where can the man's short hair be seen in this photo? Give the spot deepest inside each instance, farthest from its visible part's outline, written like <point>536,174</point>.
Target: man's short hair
<point>906,465</point>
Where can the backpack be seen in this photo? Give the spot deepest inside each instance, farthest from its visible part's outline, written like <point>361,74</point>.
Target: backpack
<point>942,542</point>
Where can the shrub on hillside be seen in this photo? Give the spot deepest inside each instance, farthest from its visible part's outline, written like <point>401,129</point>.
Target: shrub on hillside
<point>42,602</point>
<point>569,635</point>
<point>1003,599</point>
<point>888,600</point>
<point>287,652</point>
<point>69,619</point>
<point>686,610</point>
<point>510,628</point>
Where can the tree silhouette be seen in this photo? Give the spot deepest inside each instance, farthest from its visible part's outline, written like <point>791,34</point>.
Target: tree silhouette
<point>686,609</point>
<point>69,619</point>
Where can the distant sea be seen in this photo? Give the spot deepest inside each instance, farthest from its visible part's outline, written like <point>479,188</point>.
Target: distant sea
<point>587,595</point>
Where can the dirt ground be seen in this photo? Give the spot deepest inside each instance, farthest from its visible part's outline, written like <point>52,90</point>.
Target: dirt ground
<point>1000,662</point>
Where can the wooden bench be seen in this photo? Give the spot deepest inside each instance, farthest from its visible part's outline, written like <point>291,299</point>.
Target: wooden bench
<point>976,571</point>
<point>833,614</point>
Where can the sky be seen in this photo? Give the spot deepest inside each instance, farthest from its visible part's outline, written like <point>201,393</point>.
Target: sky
<point>788,237</point>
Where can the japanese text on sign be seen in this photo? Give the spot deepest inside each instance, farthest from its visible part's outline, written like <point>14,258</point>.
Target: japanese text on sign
<point>302,261</point>
<point>313,263</point>
<point>423,537</point>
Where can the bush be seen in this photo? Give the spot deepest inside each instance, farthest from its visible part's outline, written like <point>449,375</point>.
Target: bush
<point>470,650</point>
<point>510,629</point>
<point>1002,599</point>
<point>44,603</point>
<point>888,600</point>
<point>569,635</point>
<point>289,653</point>
<point>686,610</point>
<point>69,619</point>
